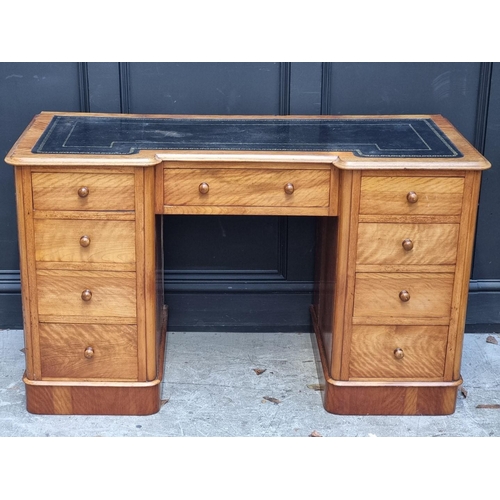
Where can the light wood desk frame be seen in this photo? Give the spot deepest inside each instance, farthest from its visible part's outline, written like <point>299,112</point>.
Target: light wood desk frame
<point>394,249</point>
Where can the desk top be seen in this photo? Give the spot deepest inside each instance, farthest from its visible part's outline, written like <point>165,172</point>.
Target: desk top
<point>346,141</point>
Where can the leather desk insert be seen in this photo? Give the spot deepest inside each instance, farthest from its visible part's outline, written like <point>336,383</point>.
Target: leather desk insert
<point>370,137</point>
<point>395,199</point>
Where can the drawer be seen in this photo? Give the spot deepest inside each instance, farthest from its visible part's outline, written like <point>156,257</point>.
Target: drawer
<point>88,351</point>
<point>93,241</point>
<point>411,195</point>
<point>247,187</point>
<point>407,244</point>
<point>80,191</point>
<point>398,351</point>
<point>382,295</point>
<point>61,294</point>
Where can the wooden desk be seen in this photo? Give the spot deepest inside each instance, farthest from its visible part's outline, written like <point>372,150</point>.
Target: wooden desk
<point>396,201</point>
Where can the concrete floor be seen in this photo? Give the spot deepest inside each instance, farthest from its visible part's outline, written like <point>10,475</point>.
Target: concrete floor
<point>213,390</point>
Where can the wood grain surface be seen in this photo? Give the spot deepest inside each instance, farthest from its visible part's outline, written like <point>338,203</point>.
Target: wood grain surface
<point>59,191</point>
<point>372,352</point>
<point>377,294</point>
<point>382,243</point>
<point>110,241</point>
<point>114,347</point>
<point>247,188</point>
<point>113,294</point>
<point>388,195</point>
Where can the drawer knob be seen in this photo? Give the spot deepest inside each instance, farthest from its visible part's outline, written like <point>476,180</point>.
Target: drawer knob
<point>83,192</point>
<point>399,353</point>
<point>86,295</point>
<point>412,197</point>
<point>404,296</point>
<point>203,188</point>
<point>289,188</point>
<point>407,244</point>
<point>84,241</point>
<point>89,353</point>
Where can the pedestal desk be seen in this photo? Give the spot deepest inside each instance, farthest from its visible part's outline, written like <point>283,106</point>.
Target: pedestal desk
<point>395,197</point>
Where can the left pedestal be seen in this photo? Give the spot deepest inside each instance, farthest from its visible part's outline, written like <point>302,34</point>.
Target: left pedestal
<point>91,277</point>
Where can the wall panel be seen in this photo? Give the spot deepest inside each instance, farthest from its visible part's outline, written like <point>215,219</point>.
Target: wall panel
<point>220,277</point>
<point>205,88</point>
<point>25,90</point>
<point>449,89</point>
<point>484,297</point>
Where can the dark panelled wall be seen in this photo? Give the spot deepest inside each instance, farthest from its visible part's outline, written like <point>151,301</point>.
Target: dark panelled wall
<point>255,273</point>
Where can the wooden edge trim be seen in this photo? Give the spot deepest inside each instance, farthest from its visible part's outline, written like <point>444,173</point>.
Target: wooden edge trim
<point>409,219</point>
<point>409,164</point>
<point>402,268</point>
<point>398,320</point>
<point>140,273</point>
<point>460,292</point>
<point>69,383</point>
<point>352,250</point>
<point>127,267</point>
<point>24,274</point>
<point>249,156</point>
<point>334,191</point>
<point>344,228</point>
<point>83,169</point>
<point>31,273</point>
<point>65,160</point>
<point>242,210</point>
<point>158,188</point>
<point>150,273</point>
<point>90,215</point>
<point>415,172</point>
<point>104,320</point>
<point>333,158</point>
<point>359,383</point>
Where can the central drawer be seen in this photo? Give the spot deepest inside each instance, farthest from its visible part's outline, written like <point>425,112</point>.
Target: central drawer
<point>86,296</point>
<point>250,187</point>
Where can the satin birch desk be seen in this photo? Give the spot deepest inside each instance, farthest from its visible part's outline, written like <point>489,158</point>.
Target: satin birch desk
<point>395,197</point>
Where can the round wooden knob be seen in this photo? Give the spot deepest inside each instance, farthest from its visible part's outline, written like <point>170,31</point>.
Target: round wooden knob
<point>84,241</point>
<point>407,244</point>
<point>412,197</point>
<point>86,295</point>
<point>89,352</point>
<point>203,187</point>
<point>289,189</point>
<point>83,192</point>
<point>404,296</point>
<point>398,353</point>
